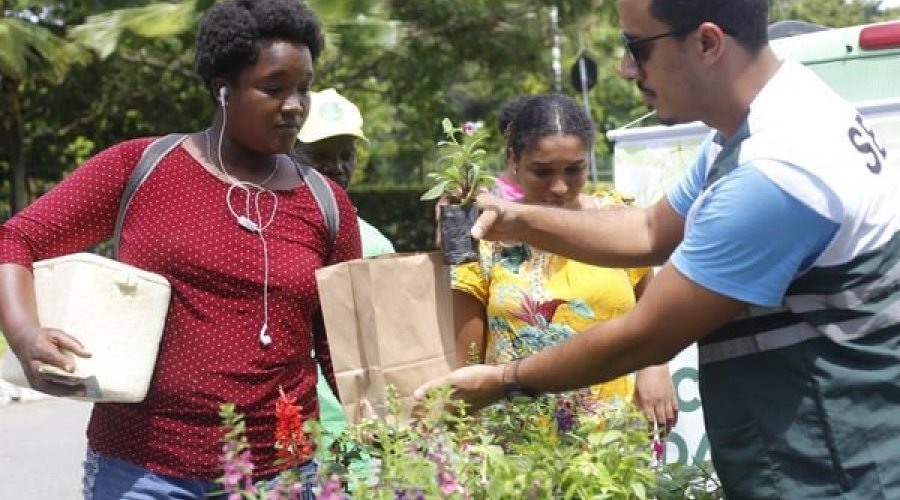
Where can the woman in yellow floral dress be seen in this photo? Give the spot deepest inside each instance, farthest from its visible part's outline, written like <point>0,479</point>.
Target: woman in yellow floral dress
<point>518,299</point>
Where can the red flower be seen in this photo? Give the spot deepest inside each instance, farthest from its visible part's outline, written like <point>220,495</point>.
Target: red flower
<point>292,445</point>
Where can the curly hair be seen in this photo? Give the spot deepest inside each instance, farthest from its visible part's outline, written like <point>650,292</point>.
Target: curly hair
<point>230,33</point>
<point>508,112</point>
<point>545,115</point>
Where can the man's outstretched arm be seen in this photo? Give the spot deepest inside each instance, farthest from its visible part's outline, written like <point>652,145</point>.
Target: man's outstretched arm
<point>673,313</point>
<point>609,237</point>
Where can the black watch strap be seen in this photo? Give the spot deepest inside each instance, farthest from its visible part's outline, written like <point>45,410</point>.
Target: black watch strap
<point>515,390</point>
<point>511,386</point>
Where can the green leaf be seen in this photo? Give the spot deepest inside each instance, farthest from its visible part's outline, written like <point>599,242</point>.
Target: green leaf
<point>101,32</point>
<point>29,50</point>
<point>448,127</point>
<point>610,437</point>
<point>436,191</point>
<point>640,491</point>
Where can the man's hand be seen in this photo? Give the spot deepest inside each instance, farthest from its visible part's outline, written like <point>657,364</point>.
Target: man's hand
<point>476,385</point>
<point>497,221</point>
<point>48,346</point>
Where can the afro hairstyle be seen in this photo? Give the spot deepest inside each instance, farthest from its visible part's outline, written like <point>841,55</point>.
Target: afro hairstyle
<point>230,33</point>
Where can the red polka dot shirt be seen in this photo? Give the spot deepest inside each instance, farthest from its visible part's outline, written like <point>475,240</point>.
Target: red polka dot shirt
<point>179,226</point>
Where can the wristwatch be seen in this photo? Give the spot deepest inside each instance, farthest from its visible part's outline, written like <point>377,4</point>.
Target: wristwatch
<point>511,385</point>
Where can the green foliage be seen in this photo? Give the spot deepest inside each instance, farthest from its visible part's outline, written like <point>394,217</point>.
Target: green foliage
<point>101,32</point>
<point>694,482</point>
<point>235,428</point>
<point>28,50</point>
<point>461,176</point>
<point>456,59</point>
<point>567,447</point>
<point>399,213</point>
<point>405,63</point>
<point>833,13</point>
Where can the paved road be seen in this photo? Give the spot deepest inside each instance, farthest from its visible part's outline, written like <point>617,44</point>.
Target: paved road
<point>42,445</point>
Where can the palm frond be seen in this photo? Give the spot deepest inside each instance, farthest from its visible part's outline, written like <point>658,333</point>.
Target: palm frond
<point>29,49</point>
<point>101,32</point>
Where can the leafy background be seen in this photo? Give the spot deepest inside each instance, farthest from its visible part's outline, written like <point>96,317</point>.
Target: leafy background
<point>79,75</point>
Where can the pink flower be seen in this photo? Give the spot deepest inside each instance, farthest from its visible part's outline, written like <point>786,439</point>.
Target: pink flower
<point>447,483</point>
<point>470,128</point>
<point>236,469</point>
<point>659,451</point>
<point>332,489</point>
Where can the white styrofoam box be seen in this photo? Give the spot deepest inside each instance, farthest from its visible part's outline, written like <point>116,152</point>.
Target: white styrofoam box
<point>115,310</point>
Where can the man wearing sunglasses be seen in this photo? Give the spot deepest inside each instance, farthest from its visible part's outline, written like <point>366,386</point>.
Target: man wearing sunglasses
<point>780,254</point>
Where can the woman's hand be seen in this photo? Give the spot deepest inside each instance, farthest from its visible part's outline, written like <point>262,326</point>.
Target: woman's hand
<point>655,395</point>
<point>442,201</point>
<point>39,347</point>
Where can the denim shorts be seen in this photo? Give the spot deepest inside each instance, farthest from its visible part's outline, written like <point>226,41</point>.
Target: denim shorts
<point>108,478</point>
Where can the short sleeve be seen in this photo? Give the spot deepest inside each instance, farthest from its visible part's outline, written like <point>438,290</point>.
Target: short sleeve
<point>635,275</point>
<point>682,196</point>
<point>748,239</point>
<point>469,278</point>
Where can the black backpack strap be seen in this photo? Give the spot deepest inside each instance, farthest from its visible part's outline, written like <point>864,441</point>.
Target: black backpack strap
<point>155,152</point>
<point>324,197</point>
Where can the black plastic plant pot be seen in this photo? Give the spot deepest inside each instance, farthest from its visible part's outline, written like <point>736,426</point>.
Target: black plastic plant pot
<point>457,243</point>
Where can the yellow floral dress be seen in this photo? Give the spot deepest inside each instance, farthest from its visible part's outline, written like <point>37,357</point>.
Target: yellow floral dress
<point>536,300</point>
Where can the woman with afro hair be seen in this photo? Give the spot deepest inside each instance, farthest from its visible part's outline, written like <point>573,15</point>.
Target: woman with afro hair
<point>228,220</point>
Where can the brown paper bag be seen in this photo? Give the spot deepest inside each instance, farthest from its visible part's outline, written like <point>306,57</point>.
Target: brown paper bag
<point>390,322</point>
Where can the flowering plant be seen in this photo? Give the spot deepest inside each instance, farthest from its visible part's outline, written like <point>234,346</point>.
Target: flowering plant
<point>457,184</point>
<point>462,175</point>
<point>565,446</point>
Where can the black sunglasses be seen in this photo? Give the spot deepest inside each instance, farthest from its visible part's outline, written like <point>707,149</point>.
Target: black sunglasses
<point>639,48</point>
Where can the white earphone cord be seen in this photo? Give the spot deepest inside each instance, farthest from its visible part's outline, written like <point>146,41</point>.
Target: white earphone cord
<point>246,221</point>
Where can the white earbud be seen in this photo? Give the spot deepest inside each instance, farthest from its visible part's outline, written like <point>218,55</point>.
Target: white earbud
<point>247,224</point>
<point>264,338</point>
<point>223,96</point>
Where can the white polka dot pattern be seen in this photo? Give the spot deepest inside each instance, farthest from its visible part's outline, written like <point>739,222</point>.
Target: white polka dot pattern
<point>178,226</point>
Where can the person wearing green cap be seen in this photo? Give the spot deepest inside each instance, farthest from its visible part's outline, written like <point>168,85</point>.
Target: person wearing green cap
<point>327,141</point>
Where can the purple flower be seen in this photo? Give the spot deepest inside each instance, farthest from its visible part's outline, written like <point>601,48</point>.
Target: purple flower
<point>447,482</point>
<point>404,494</point>
<point>565,418</point>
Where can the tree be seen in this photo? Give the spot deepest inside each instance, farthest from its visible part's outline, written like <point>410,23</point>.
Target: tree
<point>833,13</point>
<point>406,63</point>
<point>30,52</point>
